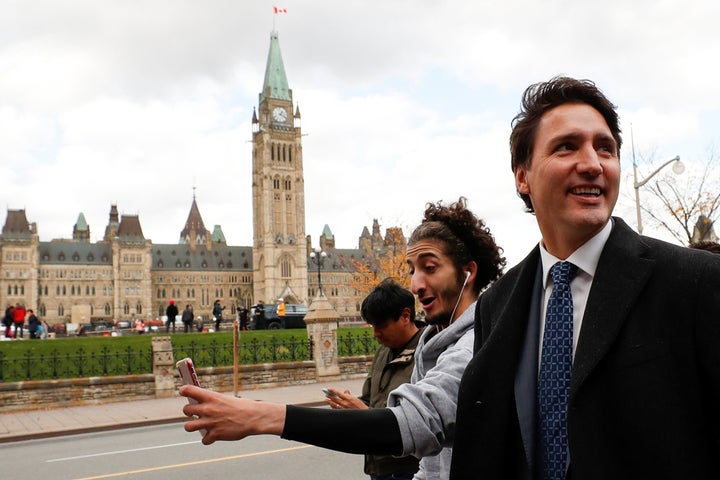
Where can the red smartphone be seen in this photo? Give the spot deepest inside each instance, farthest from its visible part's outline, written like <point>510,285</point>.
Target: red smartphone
<point>186,368</point>
<point>187,372</point>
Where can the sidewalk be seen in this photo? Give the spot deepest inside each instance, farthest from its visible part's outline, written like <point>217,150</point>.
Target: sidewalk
<point>17,426</point>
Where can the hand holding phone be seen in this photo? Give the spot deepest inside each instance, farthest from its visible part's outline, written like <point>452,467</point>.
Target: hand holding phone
<point>329,393</point>
<point>187,372</point>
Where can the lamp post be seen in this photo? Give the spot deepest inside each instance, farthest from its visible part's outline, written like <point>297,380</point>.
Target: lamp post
<point>678,168</point>
<point>318,257</point>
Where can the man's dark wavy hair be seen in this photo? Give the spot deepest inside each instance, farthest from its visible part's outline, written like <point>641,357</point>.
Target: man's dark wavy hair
<point>542,97</point>
<point>465,238</point>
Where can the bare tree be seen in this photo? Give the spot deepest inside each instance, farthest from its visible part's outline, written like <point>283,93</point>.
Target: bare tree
<point>686,198</point>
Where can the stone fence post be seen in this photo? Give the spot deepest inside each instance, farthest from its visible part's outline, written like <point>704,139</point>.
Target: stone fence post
<point>163,367</point>
<point>322,323</point>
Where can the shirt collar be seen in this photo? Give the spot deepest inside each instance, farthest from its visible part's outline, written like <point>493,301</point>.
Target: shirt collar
<point>586,257</point>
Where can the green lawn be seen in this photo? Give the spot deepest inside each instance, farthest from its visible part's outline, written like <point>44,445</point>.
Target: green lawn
<point>96,344</point>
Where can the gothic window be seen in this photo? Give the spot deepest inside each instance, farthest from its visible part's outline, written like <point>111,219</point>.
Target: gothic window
<point>93,291</point>
<point>76,257</point>
<point>288,184</point>
<point>138,308</point>
<point>45,290</point>
<point>285,267</point>
<point>61,310</point>
<point>107,309</point>
<point>272,151</point>
<point>42,310</point>
<point>290,155</point>
<point>276,183</point>
<point>159,293</point>
<point>90,257</point>
<point>126,309</point>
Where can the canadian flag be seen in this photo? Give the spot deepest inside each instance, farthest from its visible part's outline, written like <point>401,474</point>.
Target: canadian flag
<point>279,10</point>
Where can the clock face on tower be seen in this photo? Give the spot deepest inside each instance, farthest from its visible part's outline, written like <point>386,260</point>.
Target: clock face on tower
<point>279,114</point>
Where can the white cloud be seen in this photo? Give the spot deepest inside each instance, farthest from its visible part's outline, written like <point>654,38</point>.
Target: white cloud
<point>136,103</point>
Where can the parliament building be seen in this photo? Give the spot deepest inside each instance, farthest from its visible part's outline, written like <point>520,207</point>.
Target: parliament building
<point>125,276</point>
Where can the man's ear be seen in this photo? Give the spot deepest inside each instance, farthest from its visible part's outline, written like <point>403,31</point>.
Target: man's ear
<point>521,184</point>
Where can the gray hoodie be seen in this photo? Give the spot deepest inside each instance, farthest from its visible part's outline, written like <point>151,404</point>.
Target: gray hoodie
<point>425,408</point>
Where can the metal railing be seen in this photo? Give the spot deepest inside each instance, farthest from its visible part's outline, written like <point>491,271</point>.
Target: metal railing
<point>109,362</point>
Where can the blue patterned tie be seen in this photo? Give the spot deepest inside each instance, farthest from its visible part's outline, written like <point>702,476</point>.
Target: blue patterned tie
<point>555,368</point>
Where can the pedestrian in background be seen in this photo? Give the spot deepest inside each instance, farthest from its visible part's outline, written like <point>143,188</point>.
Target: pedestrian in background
<point>172,312</point>
<point>139,326</point>
<point>187,317</point>
<point>281,311</point>
<point>45,329</point>
<point>217,313</point>
<point>19,319</point>
<point>8,320</point>
<point>243,318</point>
<point>390,309</point>
<point>33,325</point>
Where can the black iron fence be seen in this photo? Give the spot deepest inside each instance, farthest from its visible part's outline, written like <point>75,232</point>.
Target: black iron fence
<point>109,362</point>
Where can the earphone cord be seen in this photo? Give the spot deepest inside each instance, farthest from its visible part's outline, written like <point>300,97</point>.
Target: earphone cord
<point>452,315</point>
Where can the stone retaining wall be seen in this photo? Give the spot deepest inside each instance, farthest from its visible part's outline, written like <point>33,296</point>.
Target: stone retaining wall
<point>39,394</point>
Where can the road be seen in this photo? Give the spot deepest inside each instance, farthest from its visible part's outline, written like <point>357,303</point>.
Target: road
<point>167,451</point>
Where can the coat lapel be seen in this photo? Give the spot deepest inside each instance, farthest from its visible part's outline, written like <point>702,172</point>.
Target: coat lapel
<point>620,277</point>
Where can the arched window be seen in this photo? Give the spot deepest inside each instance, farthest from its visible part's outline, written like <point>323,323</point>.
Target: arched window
<point>285,268</point>
<point>138,308</point>
<point>61,310</point>
<point>126,309</point>
<point>107,309</point>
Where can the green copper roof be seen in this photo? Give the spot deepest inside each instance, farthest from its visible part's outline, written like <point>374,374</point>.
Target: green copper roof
<point>81,224</point>
<point>275,77</point>
<point>327,233</point>
<point>217,235</point>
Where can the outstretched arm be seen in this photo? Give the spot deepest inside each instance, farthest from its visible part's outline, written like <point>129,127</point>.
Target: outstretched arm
<point>226,417</point>
<point>373,431</point>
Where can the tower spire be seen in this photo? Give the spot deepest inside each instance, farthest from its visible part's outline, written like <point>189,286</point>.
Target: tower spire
<point>275,85</point>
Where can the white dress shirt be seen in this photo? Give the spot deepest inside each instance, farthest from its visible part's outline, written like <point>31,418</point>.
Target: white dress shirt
<point>586,258</point>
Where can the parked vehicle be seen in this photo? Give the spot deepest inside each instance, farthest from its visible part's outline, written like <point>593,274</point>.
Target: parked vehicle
<point>294,317</point>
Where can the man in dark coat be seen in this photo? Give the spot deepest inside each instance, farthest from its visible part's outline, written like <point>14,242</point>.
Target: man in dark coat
<point>641,396</point>
<point>171,311</point>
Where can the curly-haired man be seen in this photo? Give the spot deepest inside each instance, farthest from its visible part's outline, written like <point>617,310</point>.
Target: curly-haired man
<point>452,257</point>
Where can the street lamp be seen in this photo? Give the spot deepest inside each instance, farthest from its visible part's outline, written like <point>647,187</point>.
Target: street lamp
<point>678,168</point>
<point>318,257</point>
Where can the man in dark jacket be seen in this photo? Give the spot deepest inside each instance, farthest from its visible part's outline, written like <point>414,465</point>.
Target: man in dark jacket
<point>171,311</point>
<point>217,313</point>
<point>390,309</point>
<point>33,324</point>
<point>187,317</point>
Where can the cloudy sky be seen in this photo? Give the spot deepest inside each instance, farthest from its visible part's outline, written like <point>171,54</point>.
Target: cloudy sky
<point>135,102</point>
